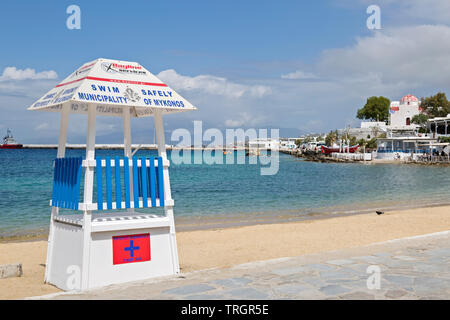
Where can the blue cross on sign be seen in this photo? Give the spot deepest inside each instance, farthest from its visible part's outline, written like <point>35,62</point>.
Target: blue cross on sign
<point>131,248</point>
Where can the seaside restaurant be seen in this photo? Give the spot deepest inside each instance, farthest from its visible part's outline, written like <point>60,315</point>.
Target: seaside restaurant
<point>439,126</point>
<point>404,146</point>
<point>99,235</point>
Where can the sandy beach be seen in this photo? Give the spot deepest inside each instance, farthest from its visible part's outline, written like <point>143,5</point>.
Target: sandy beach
<point>221,248</point>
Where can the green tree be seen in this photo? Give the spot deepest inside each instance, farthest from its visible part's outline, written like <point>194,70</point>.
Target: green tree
<point>372,144</point>
<point>444,139</point>
<point>361,142</point>
<point>331,138</point>
<point>376,108</point>
<point>421,120</point>
<point>353,141</point>
<point>298,142</point>
<point>436,106</point>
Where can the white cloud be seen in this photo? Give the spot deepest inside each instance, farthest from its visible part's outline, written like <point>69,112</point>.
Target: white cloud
<point>212,85</point>
<point>12,73</point>
<point>25,83</point>
<point>415,55</point>
<point>298,75</point>
<point>234,123</point>
<point>391,62</point>
<point>245,119</point>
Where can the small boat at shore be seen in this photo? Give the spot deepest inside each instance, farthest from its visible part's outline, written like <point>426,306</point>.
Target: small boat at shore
<point>9,142</point>
<point>344,149</point>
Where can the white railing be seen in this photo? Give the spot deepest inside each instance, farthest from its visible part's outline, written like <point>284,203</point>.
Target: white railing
<point>352,156</point>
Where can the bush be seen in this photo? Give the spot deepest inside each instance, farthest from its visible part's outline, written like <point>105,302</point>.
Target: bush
<point>372,144</point>
<point>444,139</point>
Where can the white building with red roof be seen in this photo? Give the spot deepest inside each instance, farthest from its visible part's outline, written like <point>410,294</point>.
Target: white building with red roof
<point>402,140</point>
<point>401,112</point>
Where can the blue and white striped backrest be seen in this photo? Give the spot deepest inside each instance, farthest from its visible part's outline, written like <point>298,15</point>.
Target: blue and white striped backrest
<point>66,183</point>
<point>115,179</point>
<point>147,182</point>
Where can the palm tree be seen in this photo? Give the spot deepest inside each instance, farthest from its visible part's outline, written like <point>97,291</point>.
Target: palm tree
<point>331,138</point>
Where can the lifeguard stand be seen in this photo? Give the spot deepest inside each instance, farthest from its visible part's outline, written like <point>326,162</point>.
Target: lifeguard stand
<point>103,246</point>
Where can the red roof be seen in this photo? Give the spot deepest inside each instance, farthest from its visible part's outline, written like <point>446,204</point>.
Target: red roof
<point>409,98</point>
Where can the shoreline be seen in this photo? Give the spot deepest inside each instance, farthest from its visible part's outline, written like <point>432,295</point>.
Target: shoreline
<point>321,158</point>
<point>187,223</point>
<point>225,247</point>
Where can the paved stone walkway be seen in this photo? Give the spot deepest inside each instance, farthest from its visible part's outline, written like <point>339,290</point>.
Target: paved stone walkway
<point>413,268</point>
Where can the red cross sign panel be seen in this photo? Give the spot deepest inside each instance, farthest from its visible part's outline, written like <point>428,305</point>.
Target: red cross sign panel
<point>131,248</point>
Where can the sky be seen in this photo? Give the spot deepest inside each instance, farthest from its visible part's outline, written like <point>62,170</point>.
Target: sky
<point>300,66</point>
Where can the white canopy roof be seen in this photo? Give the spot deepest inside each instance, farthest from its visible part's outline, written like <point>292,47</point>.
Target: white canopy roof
<point>109,85</point>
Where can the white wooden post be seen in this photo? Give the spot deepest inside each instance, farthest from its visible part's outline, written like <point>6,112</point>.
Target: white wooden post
<point>88,190</point>
<point>159,127</point>
<point>127,145</point>
<point>55,210</point>
<point>63,131</point>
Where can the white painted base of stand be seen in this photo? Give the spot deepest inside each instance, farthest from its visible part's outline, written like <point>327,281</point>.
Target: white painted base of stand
<point>66,262</point>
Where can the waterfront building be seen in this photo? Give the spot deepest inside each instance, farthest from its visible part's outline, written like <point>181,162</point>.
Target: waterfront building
<point>401,112</point>
<point>405,144</point>
<point>288,143</point>
<point>366,131</point>
<point>439,126</point>
<point>400,120</point>
<point>403,141</point>
<point>264,144</point>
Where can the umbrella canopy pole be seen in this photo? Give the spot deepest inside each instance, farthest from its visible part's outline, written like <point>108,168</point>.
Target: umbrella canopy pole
<point>168,209</point>
<point>127,145</point>
<point>63,131</point>
<point>88,191</point>
<point>55,210</point>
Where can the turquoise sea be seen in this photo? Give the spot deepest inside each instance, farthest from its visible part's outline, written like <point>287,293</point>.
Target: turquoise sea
<point>205,193</point>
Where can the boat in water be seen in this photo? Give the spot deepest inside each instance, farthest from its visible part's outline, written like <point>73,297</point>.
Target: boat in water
<point>9,142</point>
<point>343,149</point>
